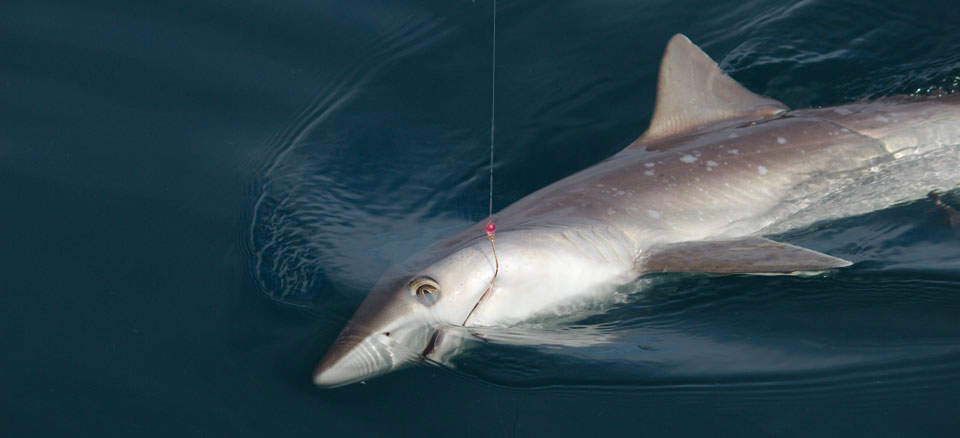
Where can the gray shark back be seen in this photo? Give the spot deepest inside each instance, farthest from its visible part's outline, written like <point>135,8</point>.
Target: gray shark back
<point>720,161</point>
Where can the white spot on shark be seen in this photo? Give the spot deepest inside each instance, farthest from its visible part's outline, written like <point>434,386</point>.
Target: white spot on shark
<point>781,140</point>
<point>711,163</point>
<point>611,212</point>
<point>732,136</point>
<point>648,173</point>
<point>762,170</point>
<point>654,214</point>
<point>734,152</point>
<point>688,158</point>
<point>881,119</point>
<point>842,111</point>
<point>649,164</point>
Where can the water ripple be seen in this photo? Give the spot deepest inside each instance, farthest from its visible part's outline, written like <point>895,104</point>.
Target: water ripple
<point>306,217</point>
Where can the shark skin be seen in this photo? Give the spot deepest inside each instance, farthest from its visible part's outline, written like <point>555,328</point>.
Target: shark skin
<point>717,166</point>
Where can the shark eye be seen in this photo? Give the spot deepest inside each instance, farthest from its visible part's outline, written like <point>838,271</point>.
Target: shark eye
<point>425,289</point>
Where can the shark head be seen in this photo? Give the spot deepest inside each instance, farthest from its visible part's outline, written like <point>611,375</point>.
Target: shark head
<point>404,317</point>
<point>416,313</point>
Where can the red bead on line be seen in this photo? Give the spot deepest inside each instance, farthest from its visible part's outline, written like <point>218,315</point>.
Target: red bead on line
<point>490,228</point>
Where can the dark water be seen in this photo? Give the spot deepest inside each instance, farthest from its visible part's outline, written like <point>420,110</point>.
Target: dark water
<point>197,195</point>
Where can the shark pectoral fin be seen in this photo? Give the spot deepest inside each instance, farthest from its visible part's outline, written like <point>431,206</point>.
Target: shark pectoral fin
<point>744,256</point>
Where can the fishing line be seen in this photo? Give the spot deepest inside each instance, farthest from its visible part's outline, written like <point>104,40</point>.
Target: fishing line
<point>493,105</point>
<point>491,228</point>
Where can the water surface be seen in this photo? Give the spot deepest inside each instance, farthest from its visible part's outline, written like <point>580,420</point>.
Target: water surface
<point>198,195</point>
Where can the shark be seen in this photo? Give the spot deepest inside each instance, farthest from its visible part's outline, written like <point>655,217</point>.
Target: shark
<point>718,168</point>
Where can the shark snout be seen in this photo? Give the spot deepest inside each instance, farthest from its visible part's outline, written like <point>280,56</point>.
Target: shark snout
<point>355,356</point>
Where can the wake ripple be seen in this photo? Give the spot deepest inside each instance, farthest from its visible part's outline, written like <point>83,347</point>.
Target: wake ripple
<point>305,216</point>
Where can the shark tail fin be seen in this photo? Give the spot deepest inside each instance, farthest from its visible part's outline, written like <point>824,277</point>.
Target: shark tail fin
<point>692,91</point>
<point>751,255</point>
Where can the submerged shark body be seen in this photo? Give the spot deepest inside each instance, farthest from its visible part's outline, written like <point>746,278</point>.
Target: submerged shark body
<point>718,167</point>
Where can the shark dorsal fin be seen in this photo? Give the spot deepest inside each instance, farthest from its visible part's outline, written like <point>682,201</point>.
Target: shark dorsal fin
<point>692,91</point>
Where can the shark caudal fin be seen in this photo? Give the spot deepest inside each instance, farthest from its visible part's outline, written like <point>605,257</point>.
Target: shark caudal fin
<point>692,91</point>
<point>751,255</point>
